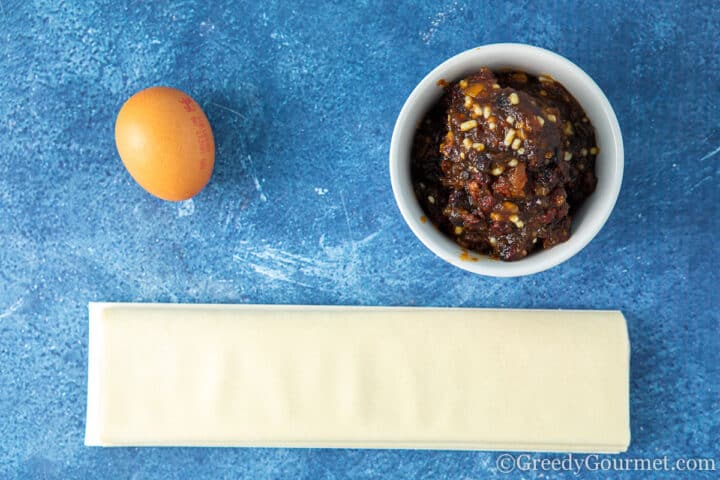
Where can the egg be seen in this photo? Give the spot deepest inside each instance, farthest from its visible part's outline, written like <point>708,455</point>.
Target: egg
<point>165,142</point>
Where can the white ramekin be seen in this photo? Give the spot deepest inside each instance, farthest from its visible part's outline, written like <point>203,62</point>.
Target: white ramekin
<point>587,222</point>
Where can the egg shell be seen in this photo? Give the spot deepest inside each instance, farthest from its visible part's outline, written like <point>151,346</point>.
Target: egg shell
<point>166,143</point>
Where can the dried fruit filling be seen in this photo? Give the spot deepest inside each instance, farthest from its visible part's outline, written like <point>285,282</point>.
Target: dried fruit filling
<point>503,161</point>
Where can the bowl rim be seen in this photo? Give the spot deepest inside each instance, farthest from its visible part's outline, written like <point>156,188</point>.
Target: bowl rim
<point>444,247</point>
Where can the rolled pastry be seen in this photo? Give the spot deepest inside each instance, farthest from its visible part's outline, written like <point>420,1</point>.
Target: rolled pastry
<point>359,377</point>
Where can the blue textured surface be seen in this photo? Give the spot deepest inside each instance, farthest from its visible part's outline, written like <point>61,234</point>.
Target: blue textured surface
<point>302,98</point>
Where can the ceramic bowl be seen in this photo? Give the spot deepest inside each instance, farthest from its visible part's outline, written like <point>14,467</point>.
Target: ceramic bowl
<point>587,222</point>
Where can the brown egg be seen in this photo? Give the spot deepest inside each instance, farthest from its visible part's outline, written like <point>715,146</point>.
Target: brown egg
<point>165,141</point>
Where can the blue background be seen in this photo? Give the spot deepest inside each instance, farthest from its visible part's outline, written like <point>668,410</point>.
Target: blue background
<point>302,98</point>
